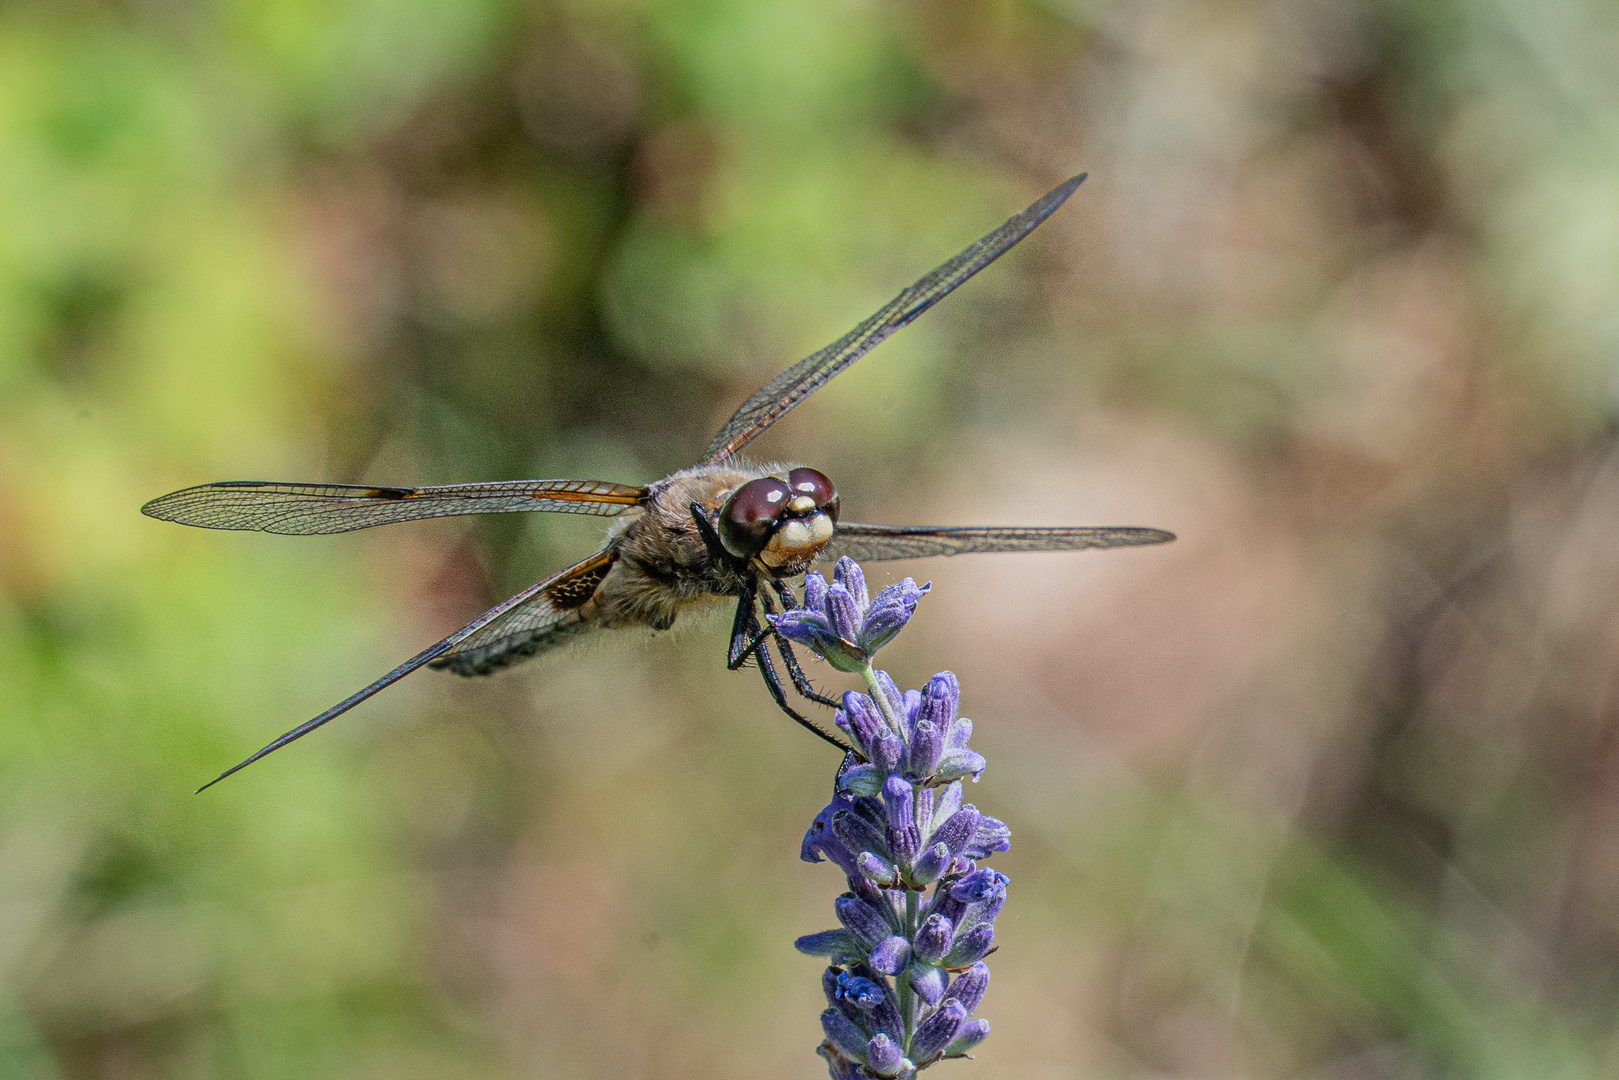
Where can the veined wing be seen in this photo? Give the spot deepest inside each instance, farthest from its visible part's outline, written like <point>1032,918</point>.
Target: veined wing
<point>783,393</point>
<point>306,509</point>
<point>875,543</point>
<point>543,621</point>
<point>532,600</point>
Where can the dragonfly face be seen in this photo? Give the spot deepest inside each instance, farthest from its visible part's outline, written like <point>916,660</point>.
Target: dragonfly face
<point>784,522</point>
<point>721,530</point>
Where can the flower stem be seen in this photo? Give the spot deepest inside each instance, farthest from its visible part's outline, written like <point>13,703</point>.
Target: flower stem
<point>907,997</point>
<point>881,700</point>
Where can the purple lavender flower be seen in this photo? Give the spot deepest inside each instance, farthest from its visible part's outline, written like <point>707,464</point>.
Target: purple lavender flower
<point>934,938</point>
<point>907,968</point>
<point>883,1056</point>
<point>841,623</point>
<point>891,956</point>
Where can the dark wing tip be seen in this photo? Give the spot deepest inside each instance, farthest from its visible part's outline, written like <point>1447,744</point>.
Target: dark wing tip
<point>1059,194</point>
<point>296,733</point>
<point>231,771</point>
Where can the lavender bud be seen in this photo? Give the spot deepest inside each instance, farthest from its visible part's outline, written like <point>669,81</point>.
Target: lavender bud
<point>899,799</point>
<point>804,627</point>
<point>958,761</point>
<point>992,835</point>
<point>976,918</point>
<point>945,904</point>
<point>856,834</point>
<point>968,987</point>
<point>868,892</point>
<point>865,922</point>
<point>862,993</point>
<point>890,612</point>
<point>870,811</point>
<point>841,720</point>
<point>930,864</point>
<point>971,946</point>
<point>959,829</point>
<point>843,1034</point>
<point>827,943</point>
<point>895,699</point>
<point>814,591</point>
<point>864,719</point>
<point>940,701</point>
<point>829,984</point>
<point>927,748</point>
<point>928,981</point>
<point>988,912</point>
<point>891,955</point>
<point>957,734</point>
<point>888,753</point>
<point>904,843</point>
<point>884,619</point>
<point>937,1031</point>
<point>877,870</point>
<point>924,806</point>
<point>980,886</point>
<point>913,701</point>
<point>933,939</point>
<point>883,1056</point>
<point>843,614</point>
<point>968,1035</point>
<point>847,573</point>
<point>885,1017</point>
<point>980,913</point>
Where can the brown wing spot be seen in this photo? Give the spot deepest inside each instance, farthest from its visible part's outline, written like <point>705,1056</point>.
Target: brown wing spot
<point>389,493</point>
<point>594,494</point>
<point>572,591</point>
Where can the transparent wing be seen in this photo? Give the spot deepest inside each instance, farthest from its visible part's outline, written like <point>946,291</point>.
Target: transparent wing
<point>543,621</point>
<point>531,606</point>
<point>305,509</point>
<point>875,543</point>
<point>783,393</point>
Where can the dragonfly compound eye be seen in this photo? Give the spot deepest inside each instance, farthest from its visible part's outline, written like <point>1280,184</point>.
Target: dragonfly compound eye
<point>816,485</point>
<point>749,515</point>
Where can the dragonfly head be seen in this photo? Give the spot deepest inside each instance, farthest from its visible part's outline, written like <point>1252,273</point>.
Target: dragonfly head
<point>784,522</point>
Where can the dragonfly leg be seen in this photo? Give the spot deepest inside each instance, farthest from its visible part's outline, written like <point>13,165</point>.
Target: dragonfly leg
<point>742,627</point>
<point>801,681</point>
<point>850,760</point>
<point>711,538</point>
<point>777,691</point>
<point>748,639</point>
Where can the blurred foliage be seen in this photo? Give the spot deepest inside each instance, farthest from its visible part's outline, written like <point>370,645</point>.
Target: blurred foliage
<point>1328,789</point>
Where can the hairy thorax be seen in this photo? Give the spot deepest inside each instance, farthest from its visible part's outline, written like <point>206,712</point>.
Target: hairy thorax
<point>663,565</point>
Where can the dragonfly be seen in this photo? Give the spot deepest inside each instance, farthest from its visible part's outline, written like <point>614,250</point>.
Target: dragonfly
<point>722,530</point>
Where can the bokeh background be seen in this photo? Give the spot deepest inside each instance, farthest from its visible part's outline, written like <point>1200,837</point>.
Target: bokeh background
<point>1328,788</point>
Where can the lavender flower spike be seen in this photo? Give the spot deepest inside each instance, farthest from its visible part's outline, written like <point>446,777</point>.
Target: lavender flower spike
<point>919,907</point>
<point>839,623</point>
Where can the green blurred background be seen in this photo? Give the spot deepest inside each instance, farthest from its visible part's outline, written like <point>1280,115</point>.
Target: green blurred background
<point>1329,788</point>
